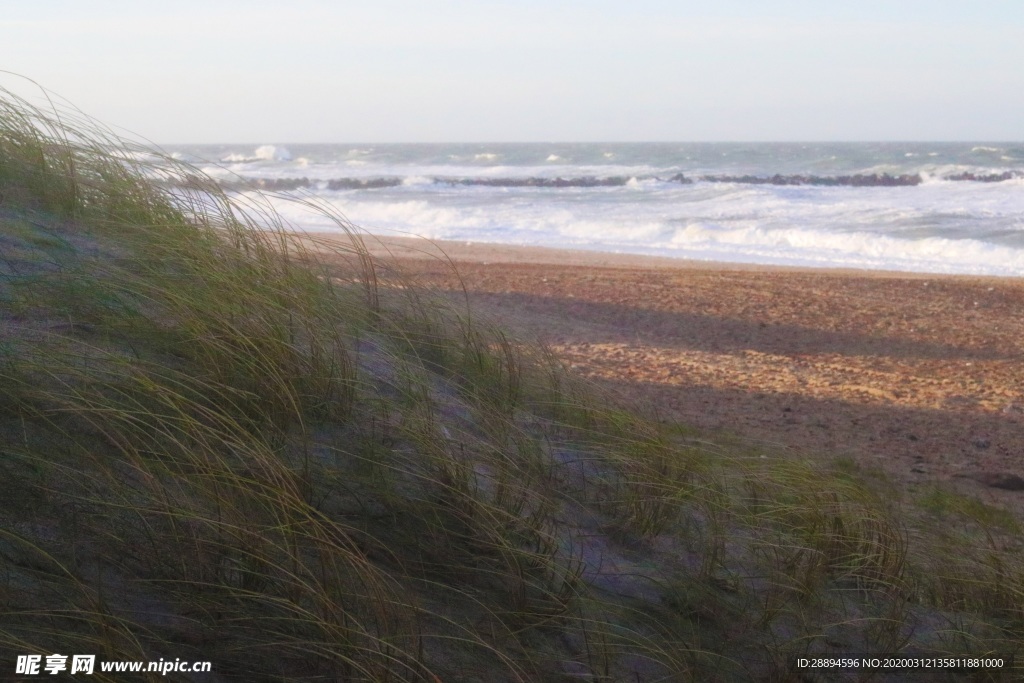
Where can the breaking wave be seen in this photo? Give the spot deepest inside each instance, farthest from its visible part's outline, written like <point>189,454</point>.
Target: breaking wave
<point>261,153</point>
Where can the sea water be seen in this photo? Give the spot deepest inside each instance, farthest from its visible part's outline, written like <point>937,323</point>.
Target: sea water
<point>925,207</point>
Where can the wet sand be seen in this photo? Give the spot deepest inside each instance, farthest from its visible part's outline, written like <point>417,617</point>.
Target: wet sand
<point>920,375</point>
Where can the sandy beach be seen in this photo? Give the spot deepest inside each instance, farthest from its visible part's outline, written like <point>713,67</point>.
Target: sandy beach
<point>919,375</point>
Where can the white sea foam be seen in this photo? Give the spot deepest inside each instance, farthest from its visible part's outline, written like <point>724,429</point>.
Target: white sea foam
<point>799,246</point>
<point>272,153</point>
<point>261,153</point>
<point>635,183</point>
<point>748,228</point>
<point>932,178</point>
<point>417,180</point>
<point>939,225</point>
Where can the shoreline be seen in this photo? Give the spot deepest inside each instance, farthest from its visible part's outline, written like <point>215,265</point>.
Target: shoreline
<point>919,375</point>
<point>403,248</point>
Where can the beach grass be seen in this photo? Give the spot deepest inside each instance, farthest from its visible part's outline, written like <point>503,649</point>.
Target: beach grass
<point>214,445</point>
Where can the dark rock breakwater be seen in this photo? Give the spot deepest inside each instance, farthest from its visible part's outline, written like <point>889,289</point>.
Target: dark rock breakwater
<point>373,183</point>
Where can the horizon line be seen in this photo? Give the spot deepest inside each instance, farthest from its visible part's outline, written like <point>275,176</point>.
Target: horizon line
<point>610,142</point>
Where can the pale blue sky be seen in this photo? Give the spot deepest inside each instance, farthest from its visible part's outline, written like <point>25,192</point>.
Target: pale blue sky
<point>530,70</point>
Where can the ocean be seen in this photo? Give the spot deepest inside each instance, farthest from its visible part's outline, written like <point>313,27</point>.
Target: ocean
<point>921,207</point>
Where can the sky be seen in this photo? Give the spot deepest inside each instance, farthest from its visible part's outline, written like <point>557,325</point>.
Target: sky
<point>292,71</point>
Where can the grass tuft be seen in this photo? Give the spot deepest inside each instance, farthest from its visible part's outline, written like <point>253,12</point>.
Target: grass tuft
<point>221,440</point>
